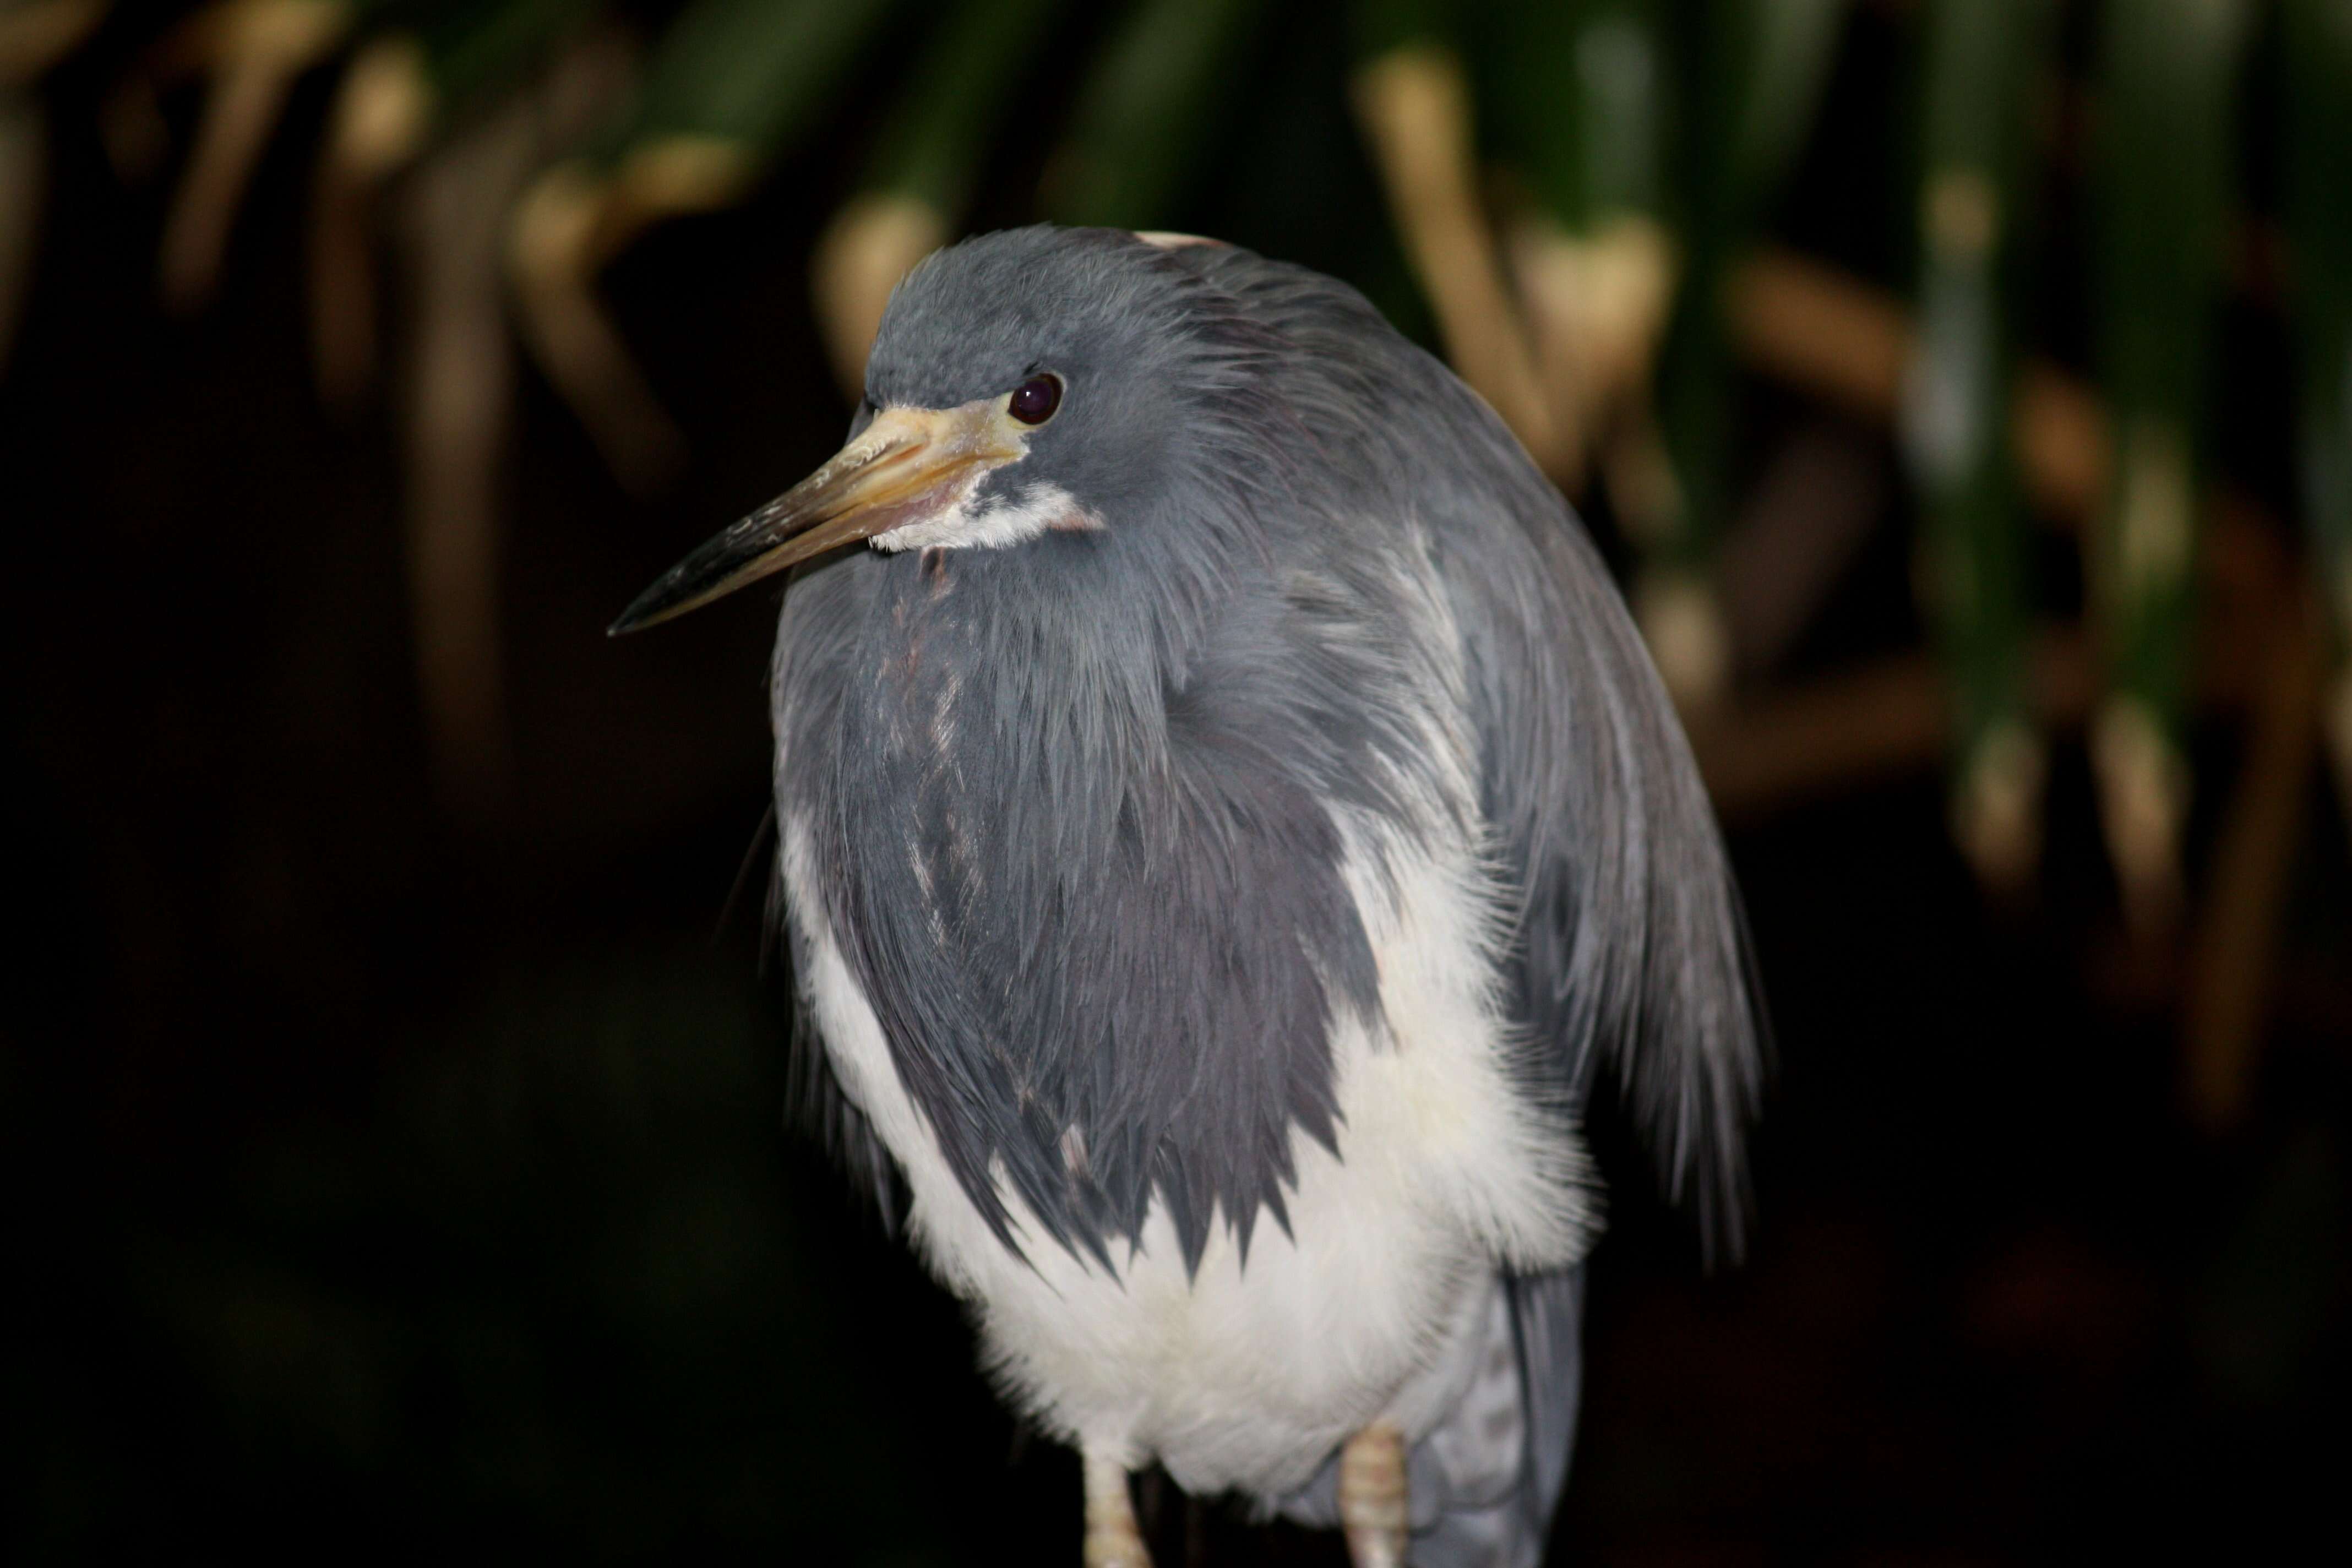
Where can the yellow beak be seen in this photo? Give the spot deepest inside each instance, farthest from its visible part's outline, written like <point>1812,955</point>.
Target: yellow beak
<point>909,464</point>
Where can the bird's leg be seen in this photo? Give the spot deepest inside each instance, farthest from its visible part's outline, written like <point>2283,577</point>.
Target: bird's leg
<point>1372,1497</point>
<point>1112,1538</point>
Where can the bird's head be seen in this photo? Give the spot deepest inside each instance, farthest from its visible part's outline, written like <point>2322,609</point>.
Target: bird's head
<point>1024,383</point>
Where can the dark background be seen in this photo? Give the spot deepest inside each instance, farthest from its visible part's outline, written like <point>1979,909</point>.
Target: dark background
<point>379,1183</point>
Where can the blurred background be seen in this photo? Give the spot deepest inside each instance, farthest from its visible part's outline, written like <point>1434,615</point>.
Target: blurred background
<point>391,1090</point>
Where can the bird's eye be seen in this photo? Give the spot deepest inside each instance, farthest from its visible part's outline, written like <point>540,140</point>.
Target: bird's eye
<point>1035,400</point>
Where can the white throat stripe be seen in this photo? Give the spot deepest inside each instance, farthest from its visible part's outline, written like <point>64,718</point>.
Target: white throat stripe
<point>995,526</point>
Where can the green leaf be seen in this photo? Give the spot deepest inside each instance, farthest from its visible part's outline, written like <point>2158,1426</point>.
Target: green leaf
<point>1143,117</point>
<point>955,99</point>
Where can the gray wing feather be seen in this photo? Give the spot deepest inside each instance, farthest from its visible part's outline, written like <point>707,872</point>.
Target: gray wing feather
<point>1629,945</point>
<point>1632,948</point>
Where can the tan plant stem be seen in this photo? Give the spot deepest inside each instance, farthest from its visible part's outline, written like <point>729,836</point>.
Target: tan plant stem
<point>261,48</point>
<point>35,36</point>
<point>1597,306</point>
<point>572,222</point>
<point>460,410</point>
<point>1851,344</point>
<point>860,257</point>
<point>1892,717</point>
<point>1414,106</point>
<point>2237,946</point>
<point>23,160</point>
<point>379,124</point>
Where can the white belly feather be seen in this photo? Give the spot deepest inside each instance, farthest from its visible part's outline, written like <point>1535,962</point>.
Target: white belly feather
<point>1248,1378</point>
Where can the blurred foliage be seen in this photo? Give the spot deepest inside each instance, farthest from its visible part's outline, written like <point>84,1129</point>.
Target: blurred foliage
<point>539,1271</point>
<point>1985,66</point>
<point>1577,189</point>
<point>2163,192</point>
<point>2316,48</point>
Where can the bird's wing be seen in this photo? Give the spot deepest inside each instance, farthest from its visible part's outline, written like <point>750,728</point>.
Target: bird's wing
<point>1632,945</point>
<point>1629,945</point>
<point>815,642</point>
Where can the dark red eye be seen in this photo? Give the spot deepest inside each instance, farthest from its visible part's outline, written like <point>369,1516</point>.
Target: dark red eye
<point>1035,400</point>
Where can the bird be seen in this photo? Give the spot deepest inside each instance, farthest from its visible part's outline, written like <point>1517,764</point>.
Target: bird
<point>1227,822</point>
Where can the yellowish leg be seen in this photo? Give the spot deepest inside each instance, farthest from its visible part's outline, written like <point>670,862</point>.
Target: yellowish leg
<point>1372,1497</point>
<point>1112,1538</point>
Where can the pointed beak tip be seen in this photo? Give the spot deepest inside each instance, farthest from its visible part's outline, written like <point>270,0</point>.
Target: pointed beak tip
<point>636,618</point>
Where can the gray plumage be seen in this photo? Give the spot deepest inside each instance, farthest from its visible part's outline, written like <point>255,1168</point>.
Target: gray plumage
<point>1073,809</point>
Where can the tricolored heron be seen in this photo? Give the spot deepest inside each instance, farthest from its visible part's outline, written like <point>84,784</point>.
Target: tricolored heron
<point>1226,818</point>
